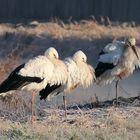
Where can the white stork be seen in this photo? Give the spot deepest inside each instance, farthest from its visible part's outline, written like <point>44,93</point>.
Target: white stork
<point>34,75</point>
<point>117,60</point>
<point>79,74</point>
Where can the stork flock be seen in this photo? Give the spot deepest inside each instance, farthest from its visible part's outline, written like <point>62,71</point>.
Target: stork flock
<point>50,76</point>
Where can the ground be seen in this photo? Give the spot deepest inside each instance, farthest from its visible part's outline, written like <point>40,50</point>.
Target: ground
<point>86,121</point>
<point>110,123</point>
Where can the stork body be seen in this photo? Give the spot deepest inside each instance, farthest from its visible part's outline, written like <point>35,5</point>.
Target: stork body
<point>79,74</point>
<point>36,74</point>
<point>117,61</point>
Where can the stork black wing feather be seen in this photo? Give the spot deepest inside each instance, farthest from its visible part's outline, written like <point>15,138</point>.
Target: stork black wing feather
<point>102,67</point>
<point>15,81</point>
<point>48,89</point>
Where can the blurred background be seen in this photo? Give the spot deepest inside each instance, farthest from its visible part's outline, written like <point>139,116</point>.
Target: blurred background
<point>126,10</point>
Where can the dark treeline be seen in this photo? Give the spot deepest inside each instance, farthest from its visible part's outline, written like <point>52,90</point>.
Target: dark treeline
<point>116,10</point>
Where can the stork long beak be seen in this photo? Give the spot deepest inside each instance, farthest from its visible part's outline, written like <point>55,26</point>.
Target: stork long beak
<point>134,50</point>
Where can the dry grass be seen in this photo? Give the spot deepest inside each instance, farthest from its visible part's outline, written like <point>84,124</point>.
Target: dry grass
<point>20,42</point>
<point>99,124</point>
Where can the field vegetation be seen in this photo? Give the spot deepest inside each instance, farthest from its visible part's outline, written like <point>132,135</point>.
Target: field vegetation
<point>20,42</point>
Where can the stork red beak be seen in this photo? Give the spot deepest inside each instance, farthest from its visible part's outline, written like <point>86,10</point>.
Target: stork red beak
<point>134,49</point>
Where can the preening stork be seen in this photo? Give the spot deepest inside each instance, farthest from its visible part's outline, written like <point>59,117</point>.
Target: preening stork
<point>34,75</point>
<point>116,61</point>
<point>79,74</point>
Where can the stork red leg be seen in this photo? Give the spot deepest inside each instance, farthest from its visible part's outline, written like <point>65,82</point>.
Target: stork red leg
<point>33,107</point>
<point>65,104</point>
<point>116,86</point>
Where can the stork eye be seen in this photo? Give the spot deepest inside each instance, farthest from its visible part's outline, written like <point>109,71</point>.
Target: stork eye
<point>83,59</point>
<point>54,55</point>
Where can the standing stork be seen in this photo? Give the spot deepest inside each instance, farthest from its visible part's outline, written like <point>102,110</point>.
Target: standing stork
<point>116,61</point>
<point>79,74</point>
<point>34,75</point>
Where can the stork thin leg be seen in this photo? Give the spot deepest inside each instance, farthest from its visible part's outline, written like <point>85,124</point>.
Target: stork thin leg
<point>65,104</point>
<point>33,108</point>
<point>116,86</point>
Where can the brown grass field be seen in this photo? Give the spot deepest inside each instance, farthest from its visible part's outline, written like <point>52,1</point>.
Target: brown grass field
<point>20,42</point>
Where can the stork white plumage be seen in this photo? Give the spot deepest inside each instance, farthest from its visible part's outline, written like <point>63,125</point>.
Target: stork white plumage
<point>116,61</point>
<point>79,74</point>
<point>34,75</point>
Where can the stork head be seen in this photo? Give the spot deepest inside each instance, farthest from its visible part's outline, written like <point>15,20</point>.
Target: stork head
<point>79,56</point>
<point>51,53</point>
<point>131,42</point>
